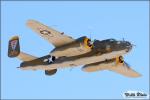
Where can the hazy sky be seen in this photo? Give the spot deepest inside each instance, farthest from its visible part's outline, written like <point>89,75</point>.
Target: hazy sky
<point>98,20</point>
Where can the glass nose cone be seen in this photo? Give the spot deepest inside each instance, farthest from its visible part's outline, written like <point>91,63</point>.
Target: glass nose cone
<point>128,46</point>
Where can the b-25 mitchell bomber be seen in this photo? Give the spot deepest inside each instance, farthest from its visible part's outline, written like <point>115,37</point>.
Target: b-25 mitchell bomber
<point>68,52</point>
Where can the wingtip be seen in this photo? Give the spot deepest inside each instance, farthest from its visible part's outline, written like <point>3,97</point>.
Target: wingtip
<point>138,75</point>
<point>135,75</point>
<point>30,22</point>
<point>14,37</point>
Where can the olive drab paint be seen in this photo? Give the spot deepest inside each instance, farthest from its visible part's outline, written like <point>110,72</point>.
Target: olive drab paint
<point>69,52</point>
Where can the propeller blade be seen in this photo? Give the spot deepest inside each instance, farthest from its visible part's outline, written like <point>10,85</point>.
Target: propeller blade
<point>126,64</point>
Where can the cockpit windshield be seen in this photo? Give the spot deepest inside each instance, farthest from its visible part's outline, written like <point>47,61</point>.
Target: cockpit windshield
<point>111,39</point>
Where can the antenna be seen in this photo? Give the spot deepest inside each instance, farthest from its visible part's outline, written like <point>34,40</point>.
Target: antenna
<point>123,39</point>
<point>90,29</point>
<point>90,35</point>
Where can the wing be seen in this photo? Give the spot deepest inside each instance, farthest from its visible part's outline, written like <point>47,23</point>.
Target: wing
<point>109,65</point>
<point>25,57</point>
<point>125,70</point>
<point>51,35</point>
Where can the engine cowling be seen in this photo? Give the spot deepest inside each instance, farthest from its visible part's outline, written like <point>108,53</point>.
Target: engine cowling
<point>78,47</point>
<point>87,43</point>
<point>119,60</point>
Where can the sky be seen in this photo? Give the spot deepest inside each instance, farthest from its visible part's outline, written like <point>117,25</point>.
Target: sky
<point>96,19</point>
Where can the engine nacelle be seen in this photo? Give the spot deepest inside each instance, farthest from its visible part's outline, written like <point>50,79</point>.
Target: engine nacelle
<point>107,64</point>
<point>80,46</point>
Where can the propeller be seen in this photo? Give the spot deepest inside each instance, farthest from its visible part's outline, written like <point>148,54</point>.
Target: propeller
<point>126,64</point>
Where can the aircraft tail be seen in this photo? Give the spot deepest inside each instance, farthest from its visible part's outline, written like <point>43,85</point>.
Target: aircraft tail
<point>13,47</point>
<point>14,50</point>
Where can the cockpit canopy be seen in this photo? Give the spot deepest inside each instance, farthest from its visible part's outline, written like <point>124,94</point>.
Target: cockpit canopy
<point>108,40</point>
<point>111,40</point>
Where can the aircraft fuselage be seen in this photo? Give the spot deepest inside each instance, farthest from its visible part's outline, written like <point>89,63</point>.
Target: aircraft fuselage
<point>102,51</point>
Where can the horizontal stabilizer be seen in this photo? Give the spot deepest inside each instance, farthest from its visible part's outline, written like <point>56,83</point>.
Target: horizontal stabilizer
<point>25,57</point>
<point>14,50</point>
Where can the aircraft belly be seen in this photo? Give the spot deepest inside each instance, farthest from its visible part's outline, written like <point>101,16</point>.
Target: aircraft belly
<point>68,62</point>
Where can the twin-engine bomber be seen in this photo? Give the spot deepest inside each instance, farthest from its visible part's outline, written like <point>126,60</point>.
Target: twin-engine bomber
<point>68,52</point>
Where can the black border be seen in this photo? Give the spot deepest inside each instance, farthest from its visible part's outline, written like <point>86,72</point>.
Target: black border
<point>69,1</point>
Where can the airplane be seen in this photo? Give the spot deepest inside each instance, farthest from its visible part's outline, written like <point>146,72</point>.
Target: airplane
<point>94,55</point>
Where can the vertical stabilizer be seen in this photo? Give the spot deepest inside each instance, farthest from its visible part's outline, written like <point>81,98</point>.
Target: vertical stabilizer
<point>13,47</point>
